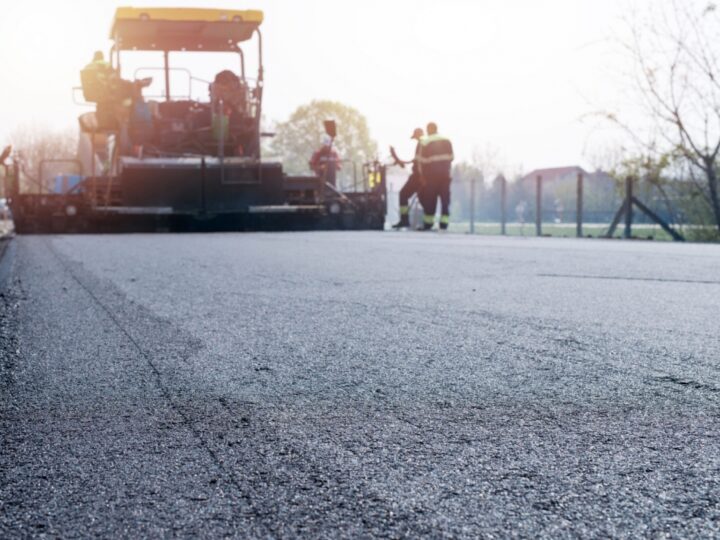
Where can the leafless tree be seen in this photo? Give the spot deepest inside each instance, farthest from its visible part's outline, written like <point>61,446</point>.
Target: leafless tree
<point>493,162</point>
<point>33,144</point>
<point>676,66</point>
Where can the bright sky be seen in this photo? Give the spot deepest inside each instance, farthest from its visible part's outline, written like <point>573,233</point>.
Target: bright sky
<point>515,75</point>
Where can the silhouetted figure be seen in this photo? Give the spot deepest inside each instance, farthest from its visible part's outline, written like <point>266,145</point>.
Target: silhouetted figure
<point>435,162</point>
<point>415,185</point>
<point>325,162</point>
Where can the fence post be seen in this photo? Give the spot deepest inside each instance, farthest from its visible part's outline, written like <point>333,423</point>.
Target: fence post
<point>538,205</point>
<point>503,205</point>
<point>579,208</point>
<point>472,204</point>
<point>628,206</point>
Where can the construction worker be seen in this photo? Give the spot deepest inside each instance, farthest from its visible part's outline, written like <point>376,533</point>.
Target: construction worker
<point>101,83</point>
<point>99,75</point>
<point>435,162</point>
<point>98,62</point>
<point>414,184</point>
<point>325,162</point>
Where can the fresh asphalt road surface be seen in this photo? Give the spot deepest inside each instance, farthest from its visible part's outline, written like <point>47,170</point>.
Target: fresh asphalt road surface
<point>359,384</point>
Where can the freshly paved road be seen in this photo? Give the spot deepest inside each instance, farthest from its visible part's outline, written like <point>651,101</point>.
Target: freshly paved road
<point>358,384</point>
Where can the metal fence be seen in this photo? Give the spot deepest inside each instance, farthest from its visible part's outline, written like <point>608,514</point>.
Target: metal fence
<point>581,206</point>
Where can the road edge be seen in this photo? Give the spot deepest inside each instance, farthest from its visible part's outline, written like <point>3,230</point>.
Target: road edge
<point>7,251</point>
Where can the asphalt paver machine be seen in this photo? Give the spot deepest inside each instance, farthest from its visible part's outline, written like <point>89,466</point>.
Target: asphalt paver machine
<point>179,162</point>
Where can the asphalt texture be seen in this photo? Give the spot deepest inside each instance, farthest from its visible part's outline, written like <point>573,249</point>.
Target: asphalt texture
<point>326,385</point>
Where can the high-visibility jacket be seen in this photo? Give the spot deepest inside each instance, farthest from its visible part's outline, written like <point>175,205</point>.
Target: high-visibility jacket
<point>435,156</point>
<point>322,158</point>
<point>98,64</point>
<point>99,82</point>
<point>102,68</point>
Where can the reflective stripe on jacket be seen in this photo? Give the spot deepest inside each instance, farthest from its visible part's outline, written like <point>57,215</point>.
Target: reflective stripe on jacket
<point>435,156</point>
<point>100,69</point>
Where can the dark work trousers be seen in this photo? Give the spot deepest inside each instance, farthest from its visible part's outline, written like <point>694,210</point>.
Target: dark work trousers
<point>413,185</point>
<point>437,187</point>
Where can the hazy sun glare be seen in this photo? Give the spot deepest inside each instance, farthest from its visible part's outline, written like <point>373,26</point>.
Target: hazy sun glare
<point>517,75</point>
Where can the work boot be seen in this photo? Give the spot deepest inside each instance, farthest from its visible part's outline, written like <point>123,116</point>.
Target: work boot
<point>403,223</point>
<point>428,222</point>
